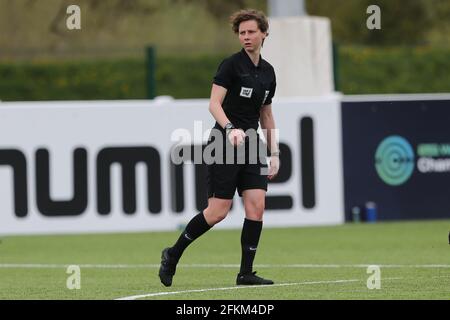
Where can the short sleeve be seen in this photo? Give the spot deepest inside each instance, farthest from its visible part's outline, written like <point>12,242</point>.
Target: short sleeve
<point>224,75</point>
<point>272,89</point>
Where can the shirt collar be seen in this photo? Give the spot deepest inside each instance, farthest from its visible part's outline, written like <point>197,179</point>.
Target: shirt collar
<point>249,61</point>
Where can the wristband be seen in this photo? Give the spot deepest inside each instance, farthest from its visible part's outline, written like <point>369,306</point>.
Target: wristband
<point>228,127</point>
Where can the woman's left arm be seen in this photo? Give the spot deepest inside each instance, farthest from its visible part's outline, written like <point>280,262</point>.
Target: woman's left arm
<point>269,130</point>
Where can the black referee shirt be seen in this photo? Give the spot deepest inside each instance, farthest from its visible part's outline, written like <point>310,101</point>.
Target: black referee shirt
<point>249,87</point>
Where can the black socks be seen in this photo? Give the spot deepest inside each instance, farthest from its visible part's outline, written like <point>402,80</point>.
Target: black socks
<point>195,228</point>
<point>251,232</point>
<point>249,242</point>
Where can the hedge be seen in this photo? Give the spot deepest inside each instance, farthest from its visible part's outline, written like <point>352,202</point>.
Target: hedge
<point>364,70</point>
<point>361,70</point>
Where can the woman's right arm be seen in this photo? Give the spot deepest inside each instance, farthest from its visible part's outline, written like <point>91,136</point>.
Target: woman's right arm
<point>236,136</point>
<point>215,104</point>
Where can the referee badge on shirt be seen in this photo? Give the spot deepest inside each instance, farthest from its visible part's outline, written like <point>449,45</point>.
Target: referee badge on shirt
<point>246,92</point>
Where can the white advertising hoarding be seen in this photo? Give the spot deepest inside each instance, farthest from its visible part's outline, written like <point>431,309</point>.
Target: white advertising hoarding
<point>105,166</point>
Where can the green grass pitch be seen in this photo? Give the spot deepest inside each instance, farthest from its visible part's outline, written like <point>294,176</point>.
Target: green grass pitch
<point>305,263</point>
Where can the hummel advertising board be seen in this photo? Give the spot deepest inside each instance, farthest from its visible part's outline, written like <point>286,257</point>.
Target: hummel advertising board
<point>107,166</point>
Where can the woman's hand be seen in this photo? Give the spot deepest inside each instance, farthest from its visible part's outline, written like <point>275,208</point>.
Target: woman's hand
<point>273,167</point>
<point>236,136</point>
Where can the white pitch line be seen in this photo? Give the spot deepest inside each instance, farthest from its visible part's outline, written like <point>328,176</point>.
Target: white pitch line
<point>145,266</point>
<point>233,288</point>
<point>88,266</point>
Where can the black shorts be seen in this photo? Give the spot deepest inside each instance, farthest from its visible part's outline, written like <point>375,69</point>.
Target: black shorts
<point>249,173</point>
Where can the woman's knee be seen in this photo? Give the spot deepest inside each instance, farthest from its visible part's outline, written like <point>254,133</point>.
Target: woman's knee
<point>255,210</point>
<point>214,216</point>
<point>216,211</point>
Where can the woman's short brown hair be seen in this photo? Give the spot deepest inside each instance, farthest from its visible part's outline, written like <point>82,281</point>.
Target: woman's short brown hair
<point>246,15</point>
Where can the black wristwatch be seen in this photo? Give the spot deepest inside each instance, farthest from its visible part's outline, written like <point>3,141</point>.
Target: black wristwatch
<point>228,127</point>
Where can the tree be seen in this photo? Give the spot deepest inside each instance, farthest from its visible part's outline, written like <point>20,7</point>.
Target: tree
<point>401,22</point>
<point>222,9</point>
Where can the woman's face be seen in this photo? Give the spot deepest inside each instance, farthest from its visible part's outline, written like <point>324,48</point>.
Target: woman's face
<point>250,35</point>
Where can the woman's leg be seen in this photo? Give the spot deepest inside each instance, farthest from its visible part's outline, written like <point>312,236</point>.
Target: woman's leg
<point>254,202</point>
<point>216,211</point>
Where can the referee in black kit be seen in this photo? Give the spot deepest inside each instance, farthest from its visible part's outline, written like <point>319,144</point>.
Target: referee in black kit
<point>241,96</point>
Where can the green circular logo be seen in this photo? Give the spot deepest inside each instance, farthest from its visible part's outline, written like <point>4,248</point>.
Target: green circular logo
<point>394,160</point>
